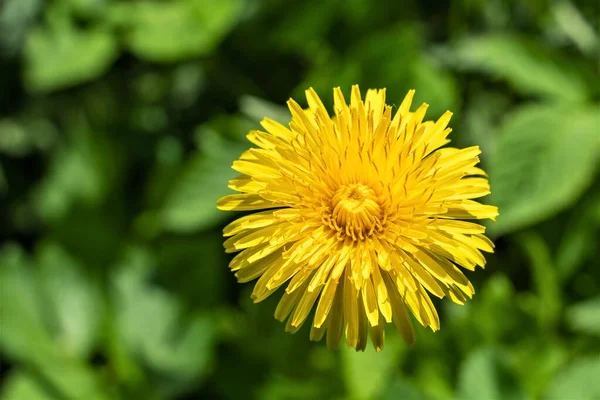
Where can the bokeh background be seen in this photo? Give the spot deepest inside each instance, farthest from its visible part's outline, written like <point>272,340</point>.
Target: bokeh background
<point>119,121</point>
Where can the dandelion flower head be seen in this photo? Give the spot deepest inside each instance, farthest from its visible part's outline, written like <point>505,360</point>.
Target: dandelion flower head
<point>360,216</point>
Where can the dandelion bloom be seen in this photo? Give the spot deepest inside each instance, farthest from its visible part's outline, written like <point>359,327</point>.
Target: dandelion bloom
<point>361,214</point>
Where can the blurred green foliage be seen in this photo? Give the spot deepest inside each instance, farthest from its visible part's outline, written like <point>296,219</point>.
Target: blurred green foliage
<point>118,124</point>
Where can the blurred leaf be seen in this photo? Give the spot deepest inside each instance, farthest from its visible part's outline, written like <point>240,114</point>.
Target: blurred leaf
<point>73,378</point>
<point>81,172</point>
<point>13,138</point>
<point>382,65</point>
<point>201,259</point>
<point>579,380</point>
<point>579,239</point>
<point>585,316</point>
<point>25,336</point>
<point>544,276</point>
<point>401,388</point>
<point>481,119</point>
<point>364,382</point>
<point>305,24</point>
<point>257,109</point>
<point>484,375</point>
<point>535,359</point>
<point>176,30</point>
<point>546,157</point>
<point>528,66</point>
<point>568,19</point>
<point>282,388</point>
<point>59,58</point>
<point>16,18</point>
<point>374,63</point>
<point>23,386</point>
<point>494,316</point>
<point>153,326</point>
<point>3,182</point>
<point>74,301</point>
<point>434,375</point>
<point>19,137</point>
<point>23,333</point>
<point>434,86</point>
<point>88,8</point>
<point>192,201</point>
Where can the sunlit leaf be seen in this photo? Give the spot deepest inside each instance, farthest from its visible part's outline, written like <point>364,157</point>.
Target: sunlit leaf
<point>23,333</point>
<point>72,299</point>
<point>81,172</point>
<point>257,109</point>
<point>22,385</point>
<point>26,336</point>
<point>152,323</point>
<point>485,375</point>
<point>546,157</point>
<point>59,58</point>
<point>176,30</point>
<point>530,67</point>
<point>585,316</point>
<point>366,373</point>
<point>401,388</point>
<point>579,380</point>
<point>535,360</point>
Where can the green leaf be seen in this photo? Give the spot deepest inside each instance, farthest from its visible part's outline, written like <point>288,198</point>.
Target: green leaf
<point>176,30</point>
<point>88,8</point>
<point>81,172</point>
<point>403,389</point>
<point>3,182</point>
<point>585,316</point>
<point>25,334</point>
<point>281,387</point>
<point>579,380</point>
<point>64,57</point>
<point>192,202</point>
<point>530,67</point>
<point>19,138</point>
<point>535,359</point>
<point>433,374</point>
<point>434,86</point>
<point>22,385</point>
<point>73,300</point>
<point>366,373</point>
<point>16,19</point>
<point>257,109</point>
<point>494,316</point>
<point>151,323</point>
<point>73,378</point>
<point>374,62</point>
<point>544,277</point>
<point>579,238</point>
<point>546,157</point>
<point>201,259</point>
<point>485,375</point>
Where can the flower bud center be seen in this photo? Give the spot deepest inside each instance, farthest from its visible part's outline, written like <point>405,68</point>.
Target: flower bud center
<point>356,211</point>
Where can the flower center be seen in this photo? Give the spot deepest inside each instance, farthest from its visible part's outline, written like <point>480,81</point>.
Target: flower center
<point>356,211</point>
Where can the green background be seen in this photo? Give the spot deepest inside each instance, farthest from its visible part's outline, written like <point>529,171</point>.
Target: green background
<point>119,121</point>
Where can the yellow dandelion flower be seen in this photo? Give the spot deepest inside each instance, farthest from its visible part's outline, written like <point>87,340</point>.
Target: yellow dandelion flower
<point>361,215</point>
